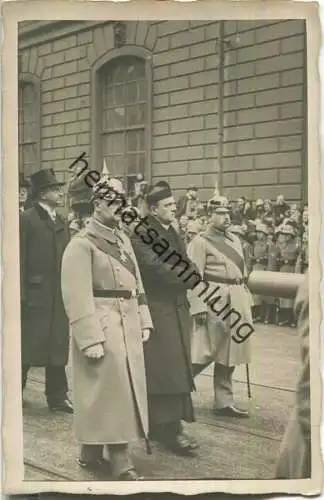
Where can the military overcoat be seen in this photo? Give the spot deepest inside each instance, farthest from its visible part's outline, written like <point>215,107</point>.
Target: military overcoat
<point>110,397</point>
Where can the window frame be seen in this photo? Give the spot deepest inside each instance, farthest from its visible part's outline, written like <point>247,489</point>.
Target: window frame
<point>96,104</point>
<point>25,79</point>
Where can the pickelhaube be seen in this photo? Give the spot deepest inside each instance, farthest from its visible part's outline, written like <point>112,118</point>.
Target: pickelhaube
<point>218,204</point>
<point>108,189</point>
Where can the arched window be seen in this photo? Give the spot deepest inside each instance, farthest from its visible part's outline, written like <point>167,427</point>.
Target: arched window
<point>123,87</point>
<point>29,127</point>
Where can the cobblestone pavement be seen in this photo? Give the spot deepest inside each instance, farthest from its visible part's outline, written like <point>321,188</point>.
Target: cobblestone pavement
<point>229,448</point>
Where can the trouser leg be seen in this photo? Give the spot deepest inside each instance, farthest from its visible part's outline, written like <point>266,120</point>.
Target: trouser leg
<point>223,386</point>
<point>91,452</point>
<point>120,459</point>
<point>24,374</point>
<point>56,386</point>
<point>198,368</point>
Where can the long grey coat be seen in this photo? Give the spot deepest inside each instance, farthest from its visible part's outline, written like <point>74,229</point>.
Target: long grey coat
<point>110,399</point>
<point>213,341</point>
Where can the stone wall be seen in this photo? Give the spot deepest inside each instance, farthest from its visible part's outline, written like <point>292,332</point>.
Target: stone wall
<point>263,101</point>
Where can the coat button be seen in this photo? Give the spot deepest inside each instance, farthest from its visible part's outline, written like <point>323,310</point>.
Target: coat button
<point>121,299</point>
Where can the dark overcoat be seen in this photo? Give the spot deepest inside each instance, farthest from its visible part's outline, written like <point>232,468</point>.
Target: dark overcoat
<point>286,257</point>
<point>167,352</point>
<point>44,324</point>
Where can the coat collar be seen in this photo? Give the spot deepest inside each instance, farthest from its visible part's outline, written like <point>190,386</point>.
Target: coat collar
<point>97,229</point>
<point>56,226</point>
<point>211,230</point>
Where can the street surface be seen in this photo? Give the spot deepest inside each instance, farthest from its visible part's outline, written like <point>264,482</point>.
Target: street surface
<point>229,448</point>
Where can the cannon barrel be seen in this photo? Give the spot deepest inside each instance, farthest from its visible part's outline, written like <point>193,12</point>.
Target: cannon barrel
<point>269,283</point>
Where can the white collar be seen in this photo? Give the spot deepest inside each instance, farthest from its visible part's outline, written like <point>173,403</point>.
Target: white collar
<point>51,212</point>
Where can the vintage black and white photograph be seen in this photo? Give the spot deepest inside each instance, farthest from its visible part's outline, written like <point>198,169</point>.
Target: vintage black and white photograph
<point>163,212</point>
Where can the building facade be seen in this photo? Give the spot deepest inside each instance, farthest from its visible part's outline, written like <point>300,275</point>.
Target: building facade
<point>191,102</point>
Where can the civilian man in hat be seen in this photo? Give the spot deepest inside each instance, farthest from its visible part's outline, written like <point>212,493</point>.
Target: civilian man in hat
<point>167,352</point>
<point>217,335</point>
<point>109,319</point>
<point>44,235</point>
<point>23,192</point>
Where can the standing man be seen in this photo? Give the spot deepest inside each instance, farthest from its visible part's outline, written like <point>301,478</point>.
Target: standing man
<point>219,257</point>
<point>109,319</point>
<point>44,235</point>
<point>167,352</point>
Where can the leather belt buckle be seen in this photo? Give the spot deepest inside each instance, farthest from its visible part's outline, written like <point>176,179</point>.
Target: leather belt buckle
<point>133,293</point>
<point>237,281</point>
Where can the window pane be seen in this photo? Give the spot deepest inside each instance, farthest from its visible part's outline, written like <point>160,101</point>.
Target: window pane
<point>119,92</point>
<point>132,164</point>
<point>141,163</point>
<point>132,141</point>
<point>141,140</point>
<point>131,92</point>
<point>29,153</point>
<point>114,144</point>
<point>114,118</point>
<point>108,96</point>
<point>136,115</point>
<point>142,90</point>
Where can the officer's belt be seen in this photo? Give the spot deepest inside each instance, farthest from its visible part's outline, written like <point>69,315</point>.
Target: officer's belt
<point>115,294</point>
<point>225,281</point>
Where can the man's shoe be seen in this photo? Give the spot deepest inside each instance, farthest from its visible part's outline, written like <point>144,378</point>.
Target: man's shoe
<point>129,475</point>
<point>232,411</point>
<point>181,445</point>
<point>65,406</point>
<point>193,444</point>
<point>100,465</point>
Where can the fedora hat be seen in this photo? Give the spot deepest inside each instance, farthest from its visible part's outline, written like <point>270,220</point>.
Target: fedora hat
<point>44,179</point>
<point>23,183</point>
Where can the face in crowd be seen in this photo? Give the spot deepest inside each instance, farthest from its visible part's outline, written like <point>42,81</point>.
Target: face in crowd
<point>220,219</point>
<point>165,210</point>
<point>23,195</point>
<point>53,196</point>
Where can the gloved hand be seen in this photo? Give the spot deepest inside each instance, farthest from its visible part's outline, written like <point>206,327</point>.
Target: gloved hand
<point>94,351</point>
<point>146,332</point>
<point>200,318</point>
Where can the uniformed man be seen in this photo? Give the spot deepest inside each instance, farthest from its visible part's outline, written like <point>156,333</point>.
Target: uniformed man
<point>219,257</point>
<point>260,260</point>
<point>287,251</point>
<point>44,234</point>
<point>109,320</point>
<point>161,256</point>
